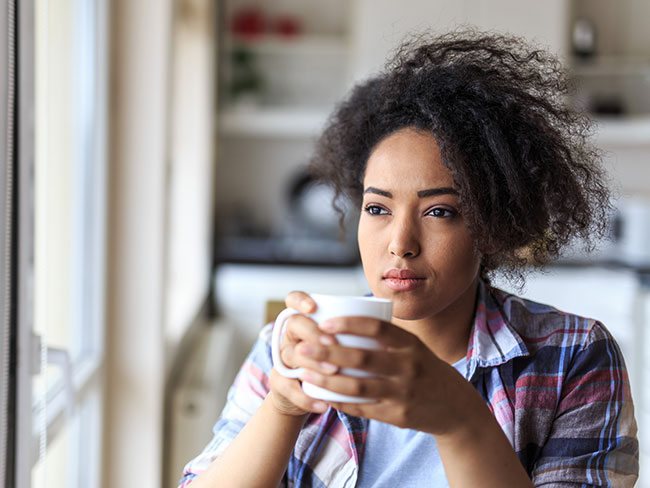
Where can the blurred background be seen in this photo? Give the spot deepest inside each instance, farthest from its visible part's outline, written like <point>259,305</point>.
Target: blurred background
<point>157,209</point>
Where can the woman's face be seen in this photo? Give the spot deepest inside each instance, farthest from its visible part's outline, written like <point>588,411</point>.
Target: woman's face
<point>414,244</point>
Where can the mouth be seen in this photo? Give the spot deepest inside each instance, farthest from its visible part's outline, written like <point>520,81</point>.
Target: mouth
<point>402,280</point>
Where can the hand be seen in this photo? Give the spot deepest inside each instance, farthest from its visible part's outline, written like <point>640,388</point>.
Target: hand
<point>412,386</point>
<point>287,393</point>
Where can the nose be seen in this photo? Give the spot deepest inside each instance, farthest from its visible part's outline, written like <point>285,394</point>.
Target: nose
<point>404,239</point>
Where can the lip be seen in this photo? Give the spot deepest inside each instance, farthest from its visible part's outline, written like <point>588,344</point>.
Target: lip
<point>401,274</point>
<point>402,280</point>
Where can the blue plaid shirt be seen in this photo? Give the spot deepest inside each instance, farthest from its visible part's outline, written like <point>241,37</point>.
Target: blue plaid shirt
<point>555,382</point>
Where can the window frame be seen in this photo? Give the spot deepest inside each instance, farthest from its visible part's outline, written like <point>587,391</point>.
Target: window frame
<point>7,239</point>
<point>87,368</point>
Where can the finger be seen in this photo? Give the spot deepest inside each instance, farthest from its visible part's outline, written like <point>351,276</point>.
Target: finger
<point>292,391</point>
<point>301,356</point>
<point>376,388</point>
<point>366,410</point>
<point>386,333</point>
<point>301,328</point>
<point>301,301</point>
<point>384,411</point>
<point>379,362</point>
<point>301,337</point>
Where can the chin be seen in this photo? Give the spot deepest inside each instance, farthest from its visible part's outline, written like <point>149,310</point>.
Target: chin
<point>406,312</point>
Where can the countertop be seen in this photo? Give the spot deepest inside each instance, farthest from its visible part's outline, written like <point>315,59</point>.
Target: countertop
<point>623,131</point>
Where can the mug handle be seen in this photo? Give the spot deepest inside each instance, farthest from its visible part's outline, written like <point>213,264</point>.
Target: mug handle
<point>278,330</point>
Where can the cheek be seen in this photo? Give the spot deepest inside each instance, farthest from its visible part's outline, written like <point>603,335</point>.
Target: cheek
<point>364,240</point>
<point>362,243</point>
<point>464,256</point>
<point>369,247</point>
<point>456,253</point>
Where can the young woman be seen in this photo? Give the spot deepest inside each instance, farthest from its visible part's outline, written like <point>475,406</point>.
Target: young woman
<point>465,162</point>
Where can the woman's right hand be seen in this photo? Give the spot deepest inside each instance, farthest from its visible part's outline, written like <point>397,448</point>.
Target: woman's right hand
<point>300,333</point>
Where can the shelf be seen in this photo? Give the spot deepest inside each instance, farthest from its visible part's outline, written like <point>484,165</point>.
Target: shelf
<point>623,131</point>
<point>273,121</point>
<point>301,44</point>
<point>611,66</point>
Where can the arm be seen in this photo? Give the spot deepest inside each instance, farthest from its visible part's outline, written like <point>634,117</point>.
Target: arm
<point>265,412</point>
<point>259,455</point>
<point>593,438</point>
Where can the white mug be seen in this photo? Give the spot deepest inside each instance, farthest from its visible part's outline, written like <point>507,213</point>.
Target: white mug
<point>330,306</point>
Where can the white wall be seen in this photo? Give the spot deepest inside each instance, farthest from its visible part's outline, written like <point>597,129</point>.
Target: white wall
<point>189,233</point>
<point>380,25</point>
<point>135,355</point>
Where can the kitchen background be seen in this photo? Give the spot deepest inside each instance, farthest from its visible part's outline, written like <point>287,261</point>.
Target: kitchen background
<point>163,147</point>
<point>282,66</point>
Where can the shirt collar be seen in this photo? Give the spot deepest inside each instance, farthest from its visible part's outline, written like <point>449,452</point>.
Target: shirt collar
<point>493,341</point>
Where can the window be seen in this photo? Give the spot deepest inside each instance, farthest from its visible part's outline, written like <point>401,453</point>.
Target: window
<point>62,164</point>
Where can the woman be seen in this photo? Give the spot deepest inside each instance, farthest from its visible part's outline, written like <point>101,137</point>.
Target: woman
<point>464,162</point>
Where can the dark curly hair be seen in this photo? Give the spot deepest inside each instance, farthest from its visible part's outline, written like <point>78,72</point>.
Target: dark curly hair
<point>528,178</point>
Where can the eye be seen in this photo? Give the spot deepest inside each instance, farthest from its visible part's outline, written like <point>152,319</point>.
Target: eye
<point>375,210</point>
<point>441,212</point>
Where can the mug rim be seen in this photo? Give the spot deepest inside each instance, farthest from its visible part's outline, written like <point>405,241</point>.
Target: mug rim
<point>363,298</point>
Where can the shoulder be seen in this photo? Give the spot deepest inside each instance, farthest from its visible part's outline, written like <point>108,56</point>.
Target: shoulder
<point>574,356</point>
<point>541,325</point>
<point>575,416</point>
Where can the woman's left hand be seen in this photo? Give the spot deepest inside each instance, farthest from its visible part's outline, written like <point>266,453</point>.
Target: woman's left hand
<point>412,387</point>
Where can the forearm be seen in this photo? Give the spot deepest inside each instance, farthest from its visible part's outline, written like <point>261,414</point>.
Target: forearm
<point>479,453</point>
<point>259,455</point>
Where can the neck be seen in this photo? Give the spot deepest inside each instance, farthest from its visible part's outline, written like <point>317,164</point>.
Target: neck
<point>447,333</point>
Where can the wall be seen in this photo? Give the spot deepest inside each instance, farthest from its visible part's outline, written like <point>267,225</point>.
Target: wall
<point>380,25</point>
<point>190,178</point>
<point>135,359</point>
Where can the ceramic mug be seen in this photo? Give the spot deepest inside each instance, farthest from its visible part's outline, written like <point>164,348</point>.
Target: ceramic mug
<point>330,306</point>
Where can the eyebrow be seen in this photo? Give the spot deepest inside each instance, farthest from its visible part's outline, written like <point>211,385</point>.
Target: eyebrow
<point>445,190</point>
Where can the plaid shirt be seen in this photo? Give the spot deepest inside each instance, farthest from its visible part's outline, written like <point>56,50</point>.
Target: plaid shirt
<point>555,382</point>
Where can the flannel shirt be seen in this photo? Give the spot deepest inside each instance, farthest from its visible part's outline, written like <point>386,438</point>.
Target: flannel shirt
<point>555,382</point>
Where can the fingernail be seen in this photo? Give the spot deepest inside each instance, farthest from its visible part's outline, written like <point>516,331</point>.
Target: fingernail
<point>328,325</point>
<point>326,340</point>
<point>319,406</point>
<point>329,368</point>
<point>307,376</point>
<point>306,349</point>
<point>306,304</point>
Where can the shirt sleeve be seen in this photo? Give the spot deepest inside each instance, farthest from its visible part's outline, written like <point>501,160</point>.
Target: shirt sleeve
<point>593,438</point>
<point>245,396</point>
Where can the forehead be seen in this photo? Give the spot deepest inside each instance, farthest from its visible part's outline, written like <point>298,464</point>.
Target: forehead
<point>407,157</point>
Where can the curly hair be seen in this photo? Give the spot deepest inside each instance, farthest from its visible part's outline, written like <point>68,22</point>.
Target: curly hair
<point>529,180</point>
